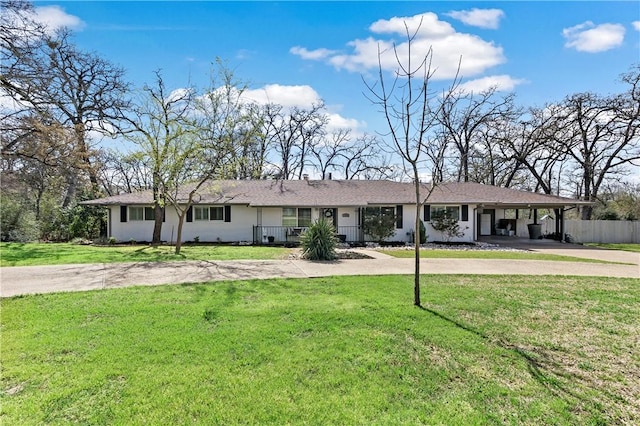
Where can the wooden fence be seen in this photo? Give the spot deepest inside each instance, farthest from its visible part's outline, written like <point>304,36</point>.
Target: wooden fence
<point>604,231</point>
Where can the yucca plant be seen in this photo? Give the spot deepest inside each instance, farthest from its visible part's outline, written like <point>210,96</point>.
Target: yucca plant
<point>319,242</point>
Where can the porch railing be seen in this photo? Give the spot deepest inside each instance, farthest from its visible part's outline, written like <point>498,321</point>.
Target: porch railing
<point>289,234</point>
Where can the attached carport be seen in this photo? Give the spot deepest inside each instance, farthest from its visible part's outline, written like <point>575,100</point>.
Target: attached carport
<point>509,219</point>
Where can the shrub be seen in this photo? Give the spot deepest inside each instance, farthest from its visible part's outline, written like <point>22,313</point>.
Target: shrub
<point>17,222</point>
<point>447,225</point>
<point>423,233</point>
<point>379,225</point>
<point>319,241</point>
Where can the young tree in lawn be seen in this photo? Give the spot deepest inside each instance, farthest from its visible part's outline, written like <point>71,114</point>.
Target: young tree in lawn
<point>410,107</point>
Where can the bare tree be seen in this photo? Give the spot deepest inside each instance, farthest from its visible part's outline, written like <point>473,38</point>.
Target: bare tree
<point>463,116</point>
<point>291,133</point>
<point>602,136</point>
<point>124,172</point>
<point>494,162</point>
<point>366,159</point>
<point>411,109</point>
<point>532,143</point>
<point>327,153</point>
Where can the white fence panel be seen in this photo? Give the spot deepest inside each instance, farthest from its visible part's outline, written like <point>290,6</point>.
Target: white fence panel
<point>604,231</point>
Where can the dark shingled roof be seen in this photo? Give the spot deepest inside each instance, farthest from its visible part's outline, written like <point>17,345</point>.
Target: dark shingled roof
<point>343,193</point>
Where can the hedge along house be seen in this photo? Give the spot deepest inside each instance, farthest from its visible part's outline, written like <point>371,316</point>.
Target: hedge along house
<point>278,211</point>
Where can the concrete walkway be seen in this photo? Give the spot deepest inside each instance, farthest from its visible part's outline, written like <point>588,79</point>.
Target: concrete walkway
<point>47,279</point>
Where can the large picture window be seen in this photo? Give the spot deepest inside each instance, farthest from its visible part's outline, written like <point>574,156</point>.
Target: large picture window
<point>380,211</point>
<point>298,217</point>
<point>450,211</point>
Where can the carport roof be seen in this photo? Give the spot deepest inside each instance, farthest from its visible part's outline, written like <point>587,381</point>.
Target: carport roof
<point>343,193</point>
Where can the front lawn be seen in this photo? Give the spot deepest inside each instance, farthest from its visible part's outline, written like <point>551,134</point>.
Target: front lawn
<point>347,350</point>
<point>625,247</point>
<point>31,254</point>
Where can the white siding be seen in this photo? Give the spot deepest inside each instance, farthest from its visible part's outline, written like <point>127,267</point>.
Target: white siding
<point>468,227</point>
<point>240,228</point>
<point>244,218</point>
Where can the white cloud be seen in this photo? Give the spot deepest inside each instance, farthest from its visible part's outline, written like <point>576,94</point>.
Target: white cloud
<point>287,96</point>
<point>636,25</point>
<point>311,54</point>
<point>303,96</point>
<point>54,17</point>
<point>591,38</point>
<point>338,122</point>
<point>502,83</point>
<point>483,18</point>
<point>448,47</point>
<point>177,95</point>
<point>428,24</point>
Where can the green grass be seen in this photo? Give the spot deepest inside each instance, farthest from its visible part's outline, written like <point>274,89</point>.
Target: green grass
<point>484,350</point>
<point>625,247</point>
<point>488,254</point>
<point>30,254</point>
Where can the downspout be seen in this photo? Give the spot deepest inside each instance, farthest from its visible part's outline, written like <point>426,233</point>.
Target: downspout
<point>476,230</point>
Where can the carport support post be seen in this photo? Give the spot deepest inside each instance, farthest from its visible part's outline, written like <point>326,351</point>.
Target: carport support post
<point>561,236</point>
<point>535,216</point>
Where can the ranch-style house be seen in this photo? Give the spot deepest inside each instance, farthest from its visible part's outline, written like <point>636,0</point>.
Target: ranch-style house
<point>278,211</point>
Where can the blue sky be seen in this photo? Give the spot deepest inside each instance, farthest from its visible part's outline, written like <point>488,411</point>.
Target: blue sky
<point>297,52</point>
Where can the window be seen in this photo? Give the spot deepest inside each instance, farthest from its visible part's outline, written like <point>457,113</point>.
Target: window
<point>380,211</point>
<point>201,213</point>
<point>451,211</point>
<point>216,213</point>
<point>292,216</point>
<point>386,215</point>
<point>136,213</point>
<point>149,214</point>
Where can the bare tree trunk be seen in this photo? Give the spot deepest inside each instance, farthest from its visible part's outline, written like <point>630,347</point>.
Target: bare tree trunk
<point>416,232</point>
<point>181,217</point>
<point>158,216</point>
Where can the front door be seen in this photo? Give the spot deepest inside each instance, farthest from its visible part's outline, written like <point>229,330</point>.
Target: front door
<point>485,224</point>
<point>331,214</point>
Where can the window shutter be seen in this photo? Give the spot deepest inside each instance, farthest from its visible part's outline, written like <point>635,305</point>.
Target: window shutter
<point>190,214</point>
<point>123,213</point>
<point>227,213</point>
<point>398,217</point>
<point>465,212</point>
<point>427,213</point>
<point>164,214</point>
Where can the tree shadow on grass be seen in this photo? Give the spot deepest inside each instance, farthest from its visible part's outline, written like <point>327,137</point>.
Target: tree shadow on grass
<point>542,367</point>
<point>20,253</point>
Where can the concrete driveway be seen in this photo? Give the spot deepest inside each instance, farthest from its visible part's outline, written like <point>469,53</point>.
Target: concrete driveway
<point>21,280</point>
